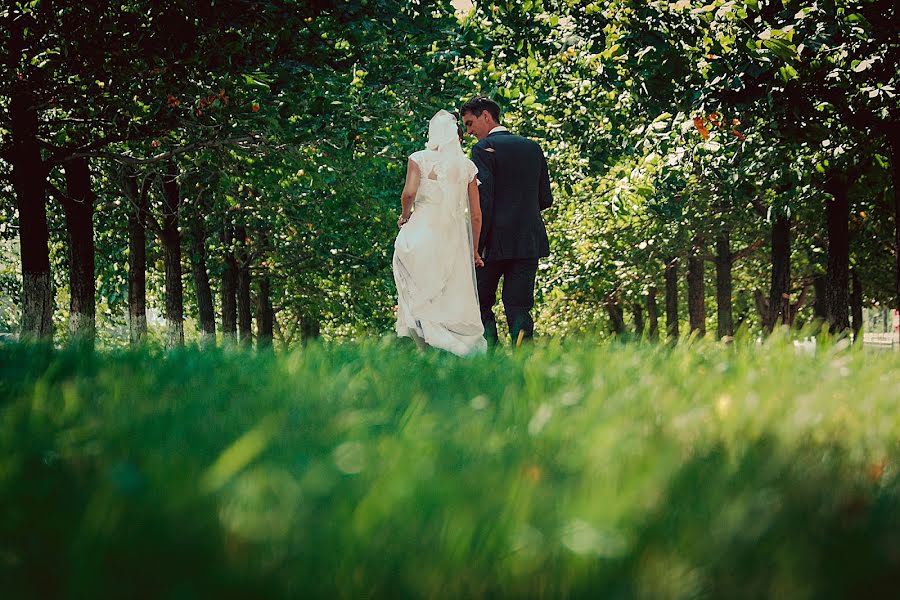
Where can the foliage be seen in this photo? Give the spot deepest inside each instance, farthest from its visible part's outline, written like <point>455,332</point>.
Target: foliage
<point>665,119</point>
<point>667,124</point>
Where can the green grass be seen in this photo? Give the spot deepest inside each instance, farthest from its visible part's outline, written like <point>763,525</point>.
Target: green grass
<point>369,470</point>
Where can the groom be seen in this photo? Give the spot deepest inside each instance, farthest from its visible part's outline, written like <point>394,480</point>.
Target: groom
<point>514,186</point>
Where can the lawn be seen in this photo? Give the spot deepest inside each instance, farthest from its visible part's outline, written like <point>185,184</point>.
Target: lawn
<point>368,470</point>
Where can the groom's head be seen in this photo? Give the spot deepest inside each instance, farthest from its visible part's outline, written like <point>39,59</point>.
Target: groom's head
<point>480,115</point>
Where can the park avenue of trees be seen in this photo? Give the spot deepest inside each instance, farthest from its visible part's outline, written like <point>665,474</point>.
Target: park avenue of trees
<point>239,164</point>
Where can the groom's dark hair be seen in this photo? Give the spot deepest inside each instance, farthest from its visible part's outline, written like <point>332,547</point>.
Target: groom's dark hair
<point>478,105</point>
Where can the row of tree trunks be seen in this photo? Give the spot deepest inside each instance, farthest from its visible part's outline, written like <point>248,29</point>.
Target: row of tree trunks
<point>29,174</point>
<point>832,291</point>
<point>617,318</point>
<point>30,181</point>
<point>232,275</point>
<point>78,206</point>
<point>833,299</point>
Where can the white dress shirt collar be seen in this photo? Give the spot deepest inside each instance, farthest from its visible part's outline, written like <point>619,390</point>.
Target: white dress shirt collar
<point>497,128</point>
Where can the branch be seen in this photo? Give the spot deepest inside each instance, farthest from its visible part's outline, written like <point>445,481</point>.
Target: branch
<point>133,160</point>
<point>735,256</point>
<point>138,204</point>
<point>154,224</point>
<point>288,337</point>
<point>66,154</point>
<point>74,120</point>
<point>63,198</point>
<point>742,254</point>
<point>759,207</point>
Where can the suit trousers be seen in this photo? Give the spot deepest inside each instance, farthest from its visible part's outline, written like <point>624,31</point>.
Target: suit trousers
<point>518,296</point>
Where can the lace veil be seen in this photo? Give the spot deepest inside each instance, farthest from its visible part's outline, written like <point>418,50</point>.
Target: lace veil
<point>444,158</point>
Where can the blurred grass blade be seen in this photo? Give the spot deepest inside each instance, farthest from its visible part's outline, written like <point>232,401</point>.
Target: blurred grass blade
<point>241,453</point>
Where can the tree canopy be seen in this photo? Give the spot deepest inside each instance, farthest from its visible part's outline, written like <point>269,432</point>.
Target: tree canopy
<point>241,163</point>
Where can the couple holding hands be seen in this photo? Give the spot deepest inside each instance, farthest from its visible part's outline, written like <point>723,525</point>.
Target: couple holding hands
<point>464,226</point>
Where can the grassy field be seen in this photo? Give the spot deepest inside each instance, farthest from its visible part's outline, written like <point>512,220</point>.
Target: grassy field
<point>369,470</point>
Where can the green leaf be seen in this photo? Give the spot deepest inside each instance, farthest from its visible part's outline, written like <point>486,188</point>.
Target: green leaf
<point>255,82</point>
<point>783,50</point>
<point>861,65</point>
<point>787,73</point>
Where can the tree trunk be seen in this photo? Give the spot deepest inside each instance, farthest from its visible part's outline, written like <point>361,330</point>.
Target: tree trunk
<point>779,307</point>
<point>638,311</point>
<point>837,281</point>
<point>137,259</point>
<point>309,328</point>
<point>894,139</point>
<point>724,284</point>
<point>229,287</point>
<point>696,291</point>
<point>652,314</point>
<point>856,305</point>
<point>672,299</point>
<point>205,309</point>
<point>819,311</point>
<point>171,241</point>
<point>78,205</point>
<point>616,317</point>
<point>29,176</point>
<point>265,317</point>
<point>245,318</point>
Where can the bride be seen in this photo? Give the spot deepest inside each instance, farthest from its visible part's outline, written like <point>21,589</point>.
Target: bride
<point>434,257</point>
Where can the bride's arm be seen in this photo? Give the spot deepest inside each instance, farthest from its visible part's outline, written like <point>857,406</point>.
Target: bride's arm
<point>475,218</point>
<point>408,196</point>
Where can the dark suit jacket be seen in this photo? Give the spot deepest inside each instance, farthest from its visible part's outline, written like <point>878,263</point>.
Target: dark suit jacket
<point>514,189</point>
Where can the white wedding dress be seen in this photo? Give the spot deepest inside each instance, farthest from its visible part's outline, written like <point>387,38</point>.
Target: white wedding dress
<point>433,263</point>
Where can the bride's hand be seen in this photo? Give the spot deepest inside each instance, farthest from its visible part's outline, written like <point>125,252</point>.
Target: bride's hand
<point>402,220</point>
<point>479,262</point>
